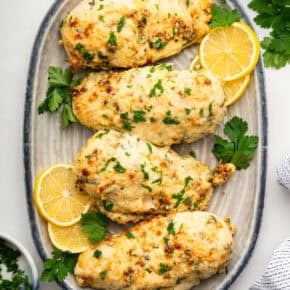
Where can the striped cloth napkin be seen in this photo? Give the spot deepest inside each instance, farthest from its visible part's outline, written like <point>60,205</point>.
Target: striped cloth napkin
<point>277,275</point>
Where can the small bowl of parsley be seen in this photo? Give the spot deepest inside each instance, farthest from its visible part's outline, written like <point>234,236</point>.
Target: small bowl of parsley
<point>17,268</point>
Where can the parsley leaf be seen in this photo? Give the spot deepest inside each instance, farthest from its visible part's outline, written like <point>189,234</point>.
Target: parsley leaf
<point>97,254</point>
<point>94,224</point>
<point>130,235</point>
<point>276,16</point>
<point>139,116</point>
<point>170,229</point>
<point>59,266</point>
<point>108,206</point>
<point>240,149</point>
<point>121,23</point>
<point>58,94</point>
<point>157,89</point>
<point>159,44</point>
<point>223,17</point>
<point>163,269</point>
<point>169,120</point>
<point>88,56</point>
<point>112,39</point>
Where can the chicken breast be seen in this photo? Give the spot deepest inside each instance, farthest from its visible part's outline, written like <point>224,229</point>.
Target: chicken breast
<point>173,252</point>
<point>131,33</point>
<point>131,179</point>
<point>158,104</point>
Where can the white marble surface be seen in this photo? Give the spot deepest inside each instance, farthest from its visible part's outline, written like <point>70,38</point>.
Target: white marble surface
<point>19,21</point>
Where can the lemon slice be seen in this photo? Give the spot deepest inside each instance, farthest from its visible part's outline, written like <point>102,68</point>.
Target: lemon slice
<point>70,239</point>
<point>230,52</point>
<point>235,89</point>
<point>57,198</point>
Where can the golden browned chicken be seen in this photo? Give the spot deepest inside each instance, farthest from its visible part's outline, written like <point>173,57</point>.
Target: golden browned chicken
<point>158,104</point>
<point>173,252</point>
<point>131,33</point>
<point>131,179</point>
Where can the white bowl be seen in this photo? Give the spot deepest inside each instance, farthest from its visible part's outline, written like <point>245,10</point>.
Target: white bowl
<point>25,261</point>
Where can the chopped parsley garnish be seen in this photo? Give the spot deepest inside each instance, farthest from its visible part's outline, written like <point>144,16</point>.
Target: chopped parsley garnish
<point>148,270</point>
<point>164,66</point>
<point>145,173</point>
<point>152,69</point>
<point>179,196</point>
<point>169,120</point>
<point>157,89</point>
<point>129,86</point>
<point>223,17</point>
<point>121,23</point>
<point>147,187</point>
<point>210,112</point>
<point>92,3</point>
<point>88,56</point>
<point>149,148</point>
<point>170,229</point>
<point>112,39</point>
<point>107,164</point>
<point>200,112</point>
<point>58,94</point>
<point>119,168</point>
<point>192,154</point>
<point>18,279</point>
<point>102,56</point>
<point>187,2</point>
<point>101,7</point>
<point>100,135</point>
<point>166,240</point>
<point>130,235</point>
<point>152,119</point>
<point>126,125</point>
<point>127,154</point>
<point>158,180</point>
<point>108,206</point>
<point>240,149</point>
<point>187,111</point>
<point>196,204</point>
<point>139,116</point>
<point>95,225</point>
<point>97,254</point>
<point>163,269</point>
<point>187,91</point>
<point>103,274</point>
<point>58,266</point>
<point>159,44</point>
<point>105,116</point>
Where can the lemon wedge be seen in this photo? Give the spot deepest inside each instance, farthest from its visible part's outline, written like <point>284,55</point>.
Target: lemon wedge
<point>70,238</point>
<point>230,53</point>
<point>57,198</point>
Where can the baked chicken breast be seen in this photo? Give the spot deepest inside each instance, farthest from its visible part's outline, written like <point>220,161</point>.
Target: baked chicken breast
<point>172,252</point>
<point>131,179</point>
<point>131,33</point>
<point>158,104</point>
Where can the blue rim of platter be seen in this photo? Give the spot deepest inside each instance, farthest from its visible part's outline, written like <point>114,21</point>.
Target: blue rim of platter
<point>27,147</point>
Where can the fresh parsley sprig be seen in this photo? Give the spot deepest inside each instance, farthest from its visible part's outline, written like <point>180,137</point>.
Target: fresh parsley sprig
<point>58,94</point>
<point>240,149</point>
<point>95,225</point>
<point>276,16</point>
<point>18,279</point>
<point>223,17</point>
<point>58,266</point>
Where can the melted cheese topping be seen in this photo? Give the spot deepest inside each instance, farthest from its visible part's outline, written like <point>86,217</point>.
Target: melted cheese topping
<point>135,178</point>
<point>132,33</point>
<point>173,252</point>
<point>158,104</point>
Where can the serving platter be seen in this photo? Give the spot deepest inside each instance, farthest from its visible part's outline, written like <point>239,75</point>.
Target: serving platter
<point>46,143</point>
